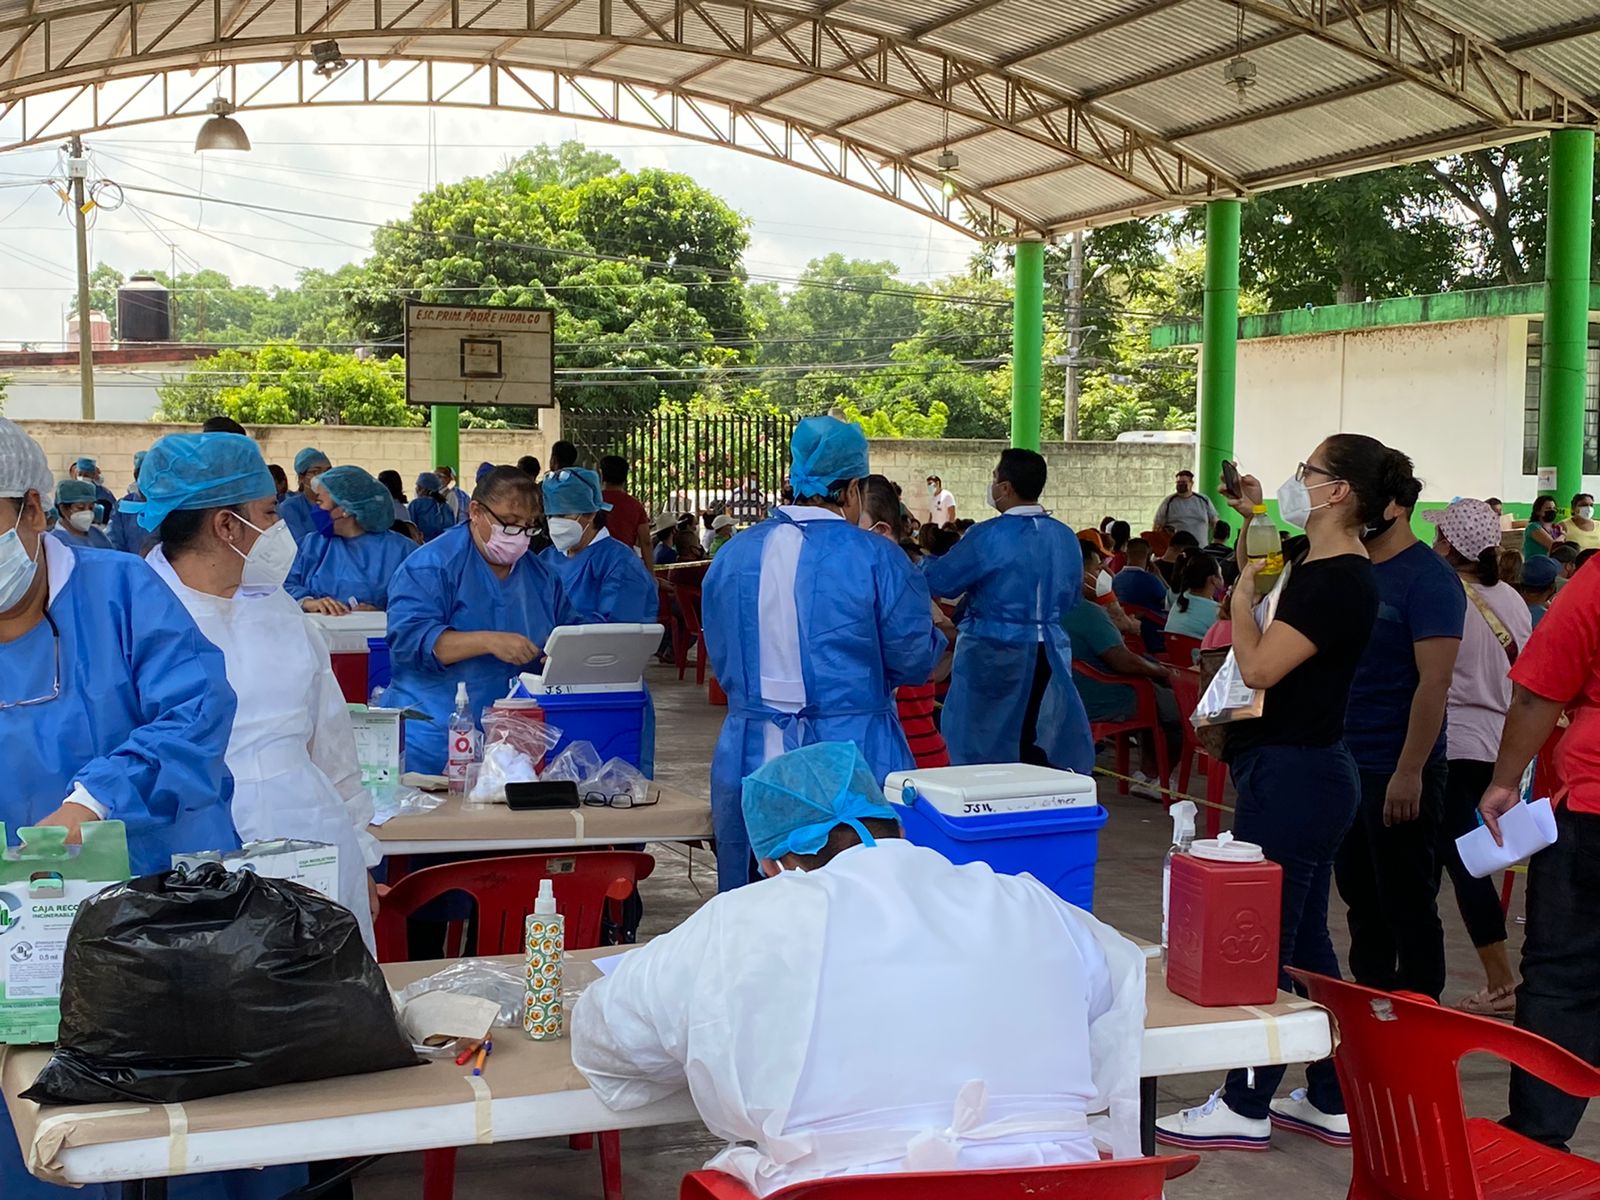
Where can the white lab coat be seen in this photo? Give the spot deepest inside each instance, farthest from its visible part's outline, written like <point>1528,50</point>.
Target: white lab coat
<point>889,1012</point>
<point>293,750</point>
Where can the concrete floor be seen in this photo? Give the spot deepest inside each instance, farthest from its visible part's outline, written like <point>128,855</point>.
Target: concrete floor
<point>1127,895</point>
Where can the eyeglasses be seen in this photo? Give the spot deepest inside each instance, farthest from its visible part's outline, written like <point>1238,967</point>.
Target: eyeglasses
<point>55,689</point>
<point>526,531</point>
<point>1305,468</point>
<point>619,800</point>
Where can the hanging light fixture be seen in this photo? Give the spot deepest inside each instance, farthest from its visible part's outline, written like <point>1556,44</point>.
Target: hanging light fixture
<point>221,131</point>
<point>949,162</point>
<point>1240,71</point>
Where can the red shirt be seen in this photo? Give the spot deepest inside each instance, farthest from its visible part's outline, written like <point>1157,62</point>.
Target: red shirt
<point>625,517</point>
<point>927,744</point>
<point>1562,662</point>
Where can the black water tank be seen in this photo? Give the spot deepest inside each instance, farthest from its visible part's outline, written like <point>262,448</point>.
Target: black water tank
<point>144,311</point>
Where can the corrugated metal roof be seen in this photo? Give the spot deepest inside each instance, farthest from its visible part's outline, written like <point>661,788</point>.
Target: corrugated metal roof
<point>1062,112</point>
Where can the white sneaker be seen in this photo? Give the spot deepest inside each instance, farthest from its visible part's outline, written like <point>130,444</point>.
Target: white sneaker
<point>1299,1115</point>
<point>1144,787</point>
<point>1214,1126</point>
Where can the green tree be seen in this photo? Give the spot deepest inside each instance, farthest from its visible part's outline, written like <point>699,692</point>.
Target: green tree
<point>282,384</point>
<point>901,418</point>
<point>568,165</point>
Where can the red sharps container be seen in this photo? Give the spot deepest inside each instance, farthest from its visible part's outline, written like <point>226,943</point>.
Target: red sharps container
<point>1222,942</point>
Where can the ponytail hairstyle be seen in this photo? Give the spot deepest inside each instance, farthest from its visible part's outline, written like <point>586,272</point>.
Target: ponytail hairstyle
<point>881,503</point>
<point>1377,475</point>
<point>1488,567</point>
<point>1193,570</point>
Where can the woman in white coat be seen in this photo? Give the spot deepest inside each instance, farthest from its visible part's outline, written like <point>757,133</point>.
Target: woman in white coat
<point>225,553</point>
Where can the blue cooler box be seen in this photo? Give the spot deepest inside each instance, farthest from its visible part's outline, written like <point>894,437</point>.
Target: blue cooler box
<point>592,690</point>
<point>1015,817</point>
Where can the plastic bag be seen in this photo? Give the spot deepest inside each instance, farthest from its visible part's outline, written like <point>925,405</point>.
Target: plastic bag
<point>195,983</point>
<point>398,800</point>
<point>579,762</point>
<point>513,748</point>
<point>619,784</point>
<point>506,986</point>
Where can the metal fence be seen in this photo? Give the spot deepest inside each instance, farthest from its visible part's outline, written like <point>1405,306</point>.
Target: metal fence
<point>690,464</point>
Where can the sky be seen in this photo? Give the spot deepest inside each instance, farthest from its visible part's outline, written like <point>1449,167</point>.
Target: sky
<point>369,163</point>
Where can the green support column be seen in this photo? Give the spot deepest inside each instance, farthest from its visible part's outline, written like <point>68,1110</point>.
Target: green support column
<point>1027,344</point>
<point>1564,356</point>
<point>1219,346</point>
<point>444,424</point>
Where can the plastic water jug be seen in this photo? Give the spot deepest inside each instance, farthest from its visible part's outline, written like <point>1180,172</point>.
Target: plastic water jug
<point>1222,946</point>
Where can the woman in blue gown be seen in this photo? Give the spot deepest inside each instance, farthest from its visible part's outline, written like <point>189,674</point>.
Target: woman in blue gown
<point>429,512</point>
<point>349,568</point>
<point>75,504</point>
<point>112,706</point>
<point>471,606</point>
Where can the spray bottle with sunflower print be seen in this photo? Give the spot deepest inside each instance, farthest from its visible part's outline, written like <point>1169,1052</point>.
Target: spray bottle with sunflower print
<point>545,940</point>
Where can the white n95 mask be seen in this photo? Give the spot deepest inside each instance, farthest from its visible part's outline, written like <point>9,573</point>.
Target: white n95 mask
<point>81,520</point>
<point>565,533</point>
<point>17,569</point>
<point>268,563</point>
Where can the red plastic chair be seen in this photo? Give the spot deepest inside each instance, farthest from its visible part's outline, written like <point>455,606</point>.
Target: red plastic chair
<point>1186,694</point>
<point>504,890</point>
<point>686,587</point>
<point>1149,620</point>
<point>1180,650</point>
<point>1398,1060</point>
<point>1146,718</point>
<point>1123,1179</point>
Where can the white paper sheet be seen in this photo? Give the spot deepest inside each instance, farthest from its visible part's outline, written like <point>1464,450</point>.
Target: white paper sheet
<point>608,964</point>
<point>1525,829</point>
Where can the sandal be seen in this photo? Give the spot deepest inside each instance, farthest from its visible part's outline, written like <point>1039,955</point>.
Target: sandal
<point>1491,1002</point>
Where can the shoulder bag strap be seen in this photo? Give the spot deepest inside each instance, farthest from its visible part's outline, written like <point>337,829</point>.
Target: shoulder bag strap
<point>1508,643</point>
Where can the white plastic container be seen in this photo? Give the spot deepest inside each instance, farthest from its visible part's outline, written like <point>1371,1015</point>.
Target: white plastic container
<point>991,789</point>
<point>348,634</point>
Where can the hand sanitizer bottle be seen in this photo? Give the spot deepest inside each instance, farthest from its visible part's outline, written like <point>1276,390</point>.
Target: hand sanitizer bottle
<point>1183,814</point>
<point>545,939</point>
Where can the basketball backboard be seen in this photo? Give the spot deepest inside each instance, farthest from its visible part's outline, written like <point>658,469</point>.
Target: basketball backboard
<point>467,354</point>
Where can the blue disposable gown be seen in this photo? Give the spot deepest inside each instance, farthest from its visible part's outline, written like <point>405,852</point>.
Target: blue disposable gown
<point>295,509</point>
<point>343,568</point>
<point>124,530</point>
<point>608,584</point>
<point>142,722</point>
<point>1018,576</point>
<point>431,516</point>
<point>94,539</point>
<point>447,585</point>
<point>866,628</point>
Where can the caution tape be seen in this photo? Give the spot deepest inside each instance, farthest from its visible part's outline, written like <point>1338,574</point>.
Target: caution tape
<point>1167,793</point>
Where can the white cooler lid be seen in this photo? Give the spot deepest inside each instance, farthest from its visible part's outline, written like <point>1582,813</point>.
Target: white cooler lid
<point>348,634</point>
<point>995,788</point>
<point>581,658</point>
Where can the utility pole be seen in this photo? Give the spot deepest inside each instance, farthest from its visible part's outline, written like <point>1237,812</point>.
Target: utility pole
<point>77,168</point>
<point>1069,422</point>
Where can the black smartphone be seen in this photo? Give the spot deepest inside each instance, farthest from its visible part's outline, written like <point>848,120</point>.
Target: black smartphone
<point>1230,478</point>
<point>558,793</point>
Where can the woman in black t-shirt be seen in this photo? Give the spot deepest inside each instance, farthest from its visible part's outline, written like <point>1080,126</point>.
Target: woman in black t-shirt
<point>1298,786</point>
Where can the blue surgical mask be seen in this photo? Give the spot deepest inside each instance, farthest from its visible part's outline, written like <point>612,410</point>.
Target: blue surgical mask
<point>17,569</point>
<point>321,521</point>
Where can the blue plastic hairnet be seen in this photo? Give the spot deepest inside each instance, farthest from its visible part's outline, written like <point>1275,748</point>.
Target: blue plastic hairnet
<point>360,495</point>
<point>824,451</point>
<point>23,466</point>
<point>74,491</point>
<point>573,490</point>
<point>429,481</point>
<point>87,465</point>
<point>308,458</point>
<point>138,461</point>
<point>483,469</point>
<point>186,471</point>
<point>792,803</point>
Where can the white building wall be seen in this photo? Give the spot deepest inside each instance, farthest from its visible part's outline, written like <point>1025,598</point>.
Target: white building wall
<point>1448,394</point>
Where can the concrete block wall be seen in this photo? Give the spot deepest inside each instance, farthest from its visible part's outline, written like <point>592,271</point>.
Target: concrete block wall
<point>1088,480</point>
<point>112,445</point>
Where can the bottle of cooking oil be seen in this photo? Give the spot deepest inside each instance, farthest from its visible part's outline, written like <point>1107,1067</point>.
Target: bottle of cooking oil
<point>1261,542</point>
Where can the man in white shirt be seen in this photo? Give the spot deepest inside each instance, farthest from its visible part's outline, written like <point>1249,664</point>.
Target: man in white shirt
<point>869,1008</point>
<point>1187,509</point>
<point>941,504</point>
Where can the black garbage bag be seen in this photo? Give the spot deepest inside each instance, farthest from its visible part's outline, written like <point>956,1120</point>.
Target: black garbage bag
<point>199,982</point>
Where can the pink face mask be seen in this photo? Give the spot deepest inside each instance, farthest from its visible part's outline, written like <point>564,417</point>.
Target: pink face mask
<point>504,548</point>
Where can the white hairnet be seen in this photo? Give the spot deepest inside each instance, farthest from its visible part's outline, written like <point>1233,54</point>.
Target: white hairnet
<point>23,466</point>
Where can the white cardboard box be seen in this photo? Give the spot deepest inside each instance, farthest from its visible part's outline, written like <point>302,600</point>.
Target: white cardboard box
<point>311,864</point>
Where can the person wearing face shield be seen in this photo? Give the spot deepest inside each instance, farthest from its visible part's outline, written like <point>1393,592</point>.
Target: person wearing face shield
<point>1011,692</point>
<point>811,623</point>
<point>471,606</point>
<point>113,705</point>
<point>1299,786</point>
<point>75,527</point>
<point>297,507</point>
<point>225,553</point>
<point>347,568</point>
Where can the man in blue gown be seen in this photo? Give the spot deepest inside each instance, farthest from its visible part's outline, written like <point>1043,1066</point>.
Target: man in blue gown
<point>471,606</point>
<point>112,706</point>
<point>1011,695</point>
<point>295,508</point>
<point>429,512</point>
<point>811,622</point>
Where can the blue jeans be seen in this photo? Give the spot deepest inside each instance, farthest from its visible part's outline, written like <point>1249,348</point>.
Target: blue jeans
<point>1297,803</point>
